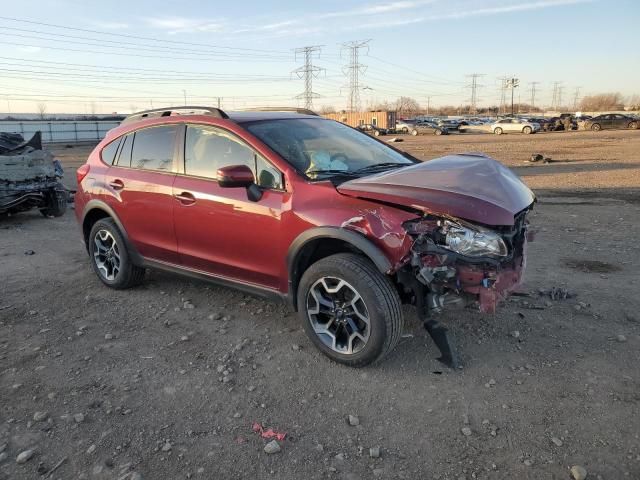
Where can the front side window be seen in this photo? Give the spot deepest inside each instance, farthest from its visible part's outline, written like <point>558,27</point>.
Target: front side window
<point>321,147</point>
<point>153,148</point>
<point>207,149</point>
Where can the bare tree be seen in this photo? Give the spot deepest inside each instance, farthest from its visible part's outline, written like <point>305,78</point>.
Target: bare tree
<point>602,102</point>
<point>42,110</point>
<point>407,105</point>
<point>326,109</point>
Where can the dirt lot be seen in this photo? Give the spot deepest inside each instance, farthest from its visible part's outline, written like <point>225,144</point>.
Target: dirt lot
<point>167,379</point>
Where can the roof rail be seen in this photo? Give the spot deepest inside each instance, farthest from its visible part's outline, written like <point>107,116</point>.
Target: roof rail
<point>302,111</point>
<point>169,111</point>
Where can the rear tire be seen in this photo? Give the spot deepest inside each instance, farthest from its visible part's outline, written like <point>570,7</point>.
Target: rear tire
<point>437,132</point>
<point>527,130</point>
<point>498,131</point>
<point>334,321</point>
<point>414,132</point>
<point>110,259</point>
<point>596,127</point>
<point>633,125</point>
<point>376,133</point>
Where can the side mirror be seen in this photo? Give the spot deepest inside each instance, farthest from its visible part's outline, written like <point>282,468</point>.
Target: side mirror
<point>234,176</point>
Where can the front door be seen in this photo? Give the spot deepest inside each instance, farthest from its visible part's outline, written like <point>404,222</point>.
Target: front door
<point>219,230</point>
<point>140,184</point>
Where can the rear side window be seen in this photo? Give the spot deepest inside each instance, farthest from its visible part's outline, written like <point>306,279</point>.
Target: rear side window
<point>108,153</point>
<point>153,148</point>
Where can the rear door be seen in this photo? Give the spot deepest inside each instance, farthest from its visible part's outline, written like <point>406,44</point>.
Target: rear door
<point>219,230</point>
<point>141,182</point>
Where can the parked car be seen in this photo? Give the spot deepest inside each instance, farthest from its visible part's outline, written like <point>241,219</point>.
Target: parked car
<point>405,126</point>
<point>611,120</point>
<point>424,128</point>
<point>372,129</point>
<point>507,125</point>
<point>290,205</point>
<point>451,125</point>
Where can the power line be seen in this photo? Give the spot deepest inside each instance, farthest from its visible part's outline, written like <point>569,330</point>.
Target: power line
<point>353,71</point>
<point>138,37</point>
<point>308,71</point>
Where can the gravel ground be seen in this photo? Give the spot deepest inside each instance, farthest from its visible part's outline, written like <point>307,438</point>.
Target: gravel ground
<point>165,381</point>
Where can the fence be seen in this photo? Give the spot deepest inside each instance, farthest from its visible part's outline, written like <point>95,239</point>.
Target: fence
<point>60,131</point>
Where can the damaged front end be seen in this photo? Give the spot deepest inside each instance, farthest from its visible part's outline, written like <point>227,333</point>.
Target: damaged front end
<point>456,263</point>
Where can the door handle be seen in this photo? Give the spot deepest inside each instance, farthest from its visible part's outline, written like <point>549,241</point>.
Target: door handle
<point>185,198</point>
<point>116,184</point>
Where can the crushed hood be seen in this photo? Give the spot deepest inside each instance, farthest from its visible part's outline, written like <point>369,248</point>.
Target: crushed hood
<point>468,186</point>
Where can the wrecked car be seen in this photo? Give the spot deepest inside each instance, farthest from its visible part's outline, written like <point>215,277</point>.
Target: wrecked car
<point>287,204</point>
<point>30,177</point>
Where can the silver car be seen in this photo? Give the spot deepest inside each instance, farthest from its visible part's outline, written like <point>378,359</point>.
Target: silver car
<point>520,125</point>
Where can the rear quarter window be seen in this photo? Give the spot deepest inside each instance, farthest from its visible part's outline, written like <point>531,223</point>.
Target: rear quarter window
<point>108,153</point>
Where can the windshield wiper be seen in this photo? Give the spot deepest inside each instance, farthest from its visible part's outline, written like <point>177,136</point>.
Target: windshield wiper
<point>373,168</point>
<point>330,172</point>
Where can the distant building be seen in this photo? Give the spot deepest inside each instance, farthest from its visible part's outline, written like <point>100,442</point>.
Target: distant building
<point>379,118</point>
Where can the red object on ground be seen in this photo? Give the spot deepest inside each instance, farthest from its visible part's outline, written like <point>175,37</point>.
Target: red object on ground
<point>269,433</point>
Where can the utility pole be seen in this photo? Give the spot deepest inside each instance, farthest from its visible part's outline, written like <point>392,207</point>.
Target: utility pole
<point>533,94</point>
<point>474,91</point>
<point>513,83</point>
<point>428,103</point>
<point>184,93</point>
<point>576,96</point>
<point>353,71</point>
<point>308,71</point>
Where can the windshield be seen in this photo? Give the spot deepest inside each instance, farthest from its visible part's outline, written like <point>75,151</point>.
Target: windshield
<point>324,148</point>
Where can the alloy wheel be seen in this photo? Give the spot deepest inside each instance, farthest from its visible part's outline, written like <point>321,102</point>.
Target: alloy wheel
<point>338,315</point>
<point>106,254</point>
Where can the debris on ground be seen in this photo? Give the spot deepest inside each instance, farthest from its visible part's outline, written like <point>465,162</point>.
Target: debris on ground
<point>394,140</point>
<point>353,420</point>
<point>556,293</point>
<point>578,472</point>
<point>268,433</point>
<point>30,177</point>
<point>272,447</point>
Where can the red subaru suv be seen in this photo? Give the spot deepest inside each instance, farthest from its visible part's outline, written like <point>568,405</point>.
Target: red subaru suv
<point>342,226</point>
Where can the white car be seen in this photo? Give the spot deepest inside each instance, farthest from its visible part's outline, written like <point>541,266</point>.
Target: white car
<point>507,125</point>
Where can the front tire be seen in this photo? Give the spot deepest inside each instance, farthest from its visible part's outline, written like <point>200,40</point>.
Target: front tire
<point>350,311</point>
<point>437,132</point>
<point>376,133</point>
<point>414,132</point>
<point>498,131</point>
<point>109,256</point>
<point>596,127</point>
<point>527,130</point>
<point>55,203</point>
<point>633,125</point>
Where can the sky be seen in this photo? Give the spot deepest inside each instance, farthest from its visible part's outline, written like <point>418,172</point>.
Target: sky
<point>75,56</point>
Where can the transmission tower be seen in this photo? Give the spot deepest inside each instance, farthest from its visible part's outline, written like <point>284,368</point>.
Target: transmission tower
<point>560,90</point>
<point>353,71</point>
<point>555,102</point>
<point>533,91</point>
<point>473,101</point>
<point>308,72</point>
<point>576,96</point>
<point>503,94</point>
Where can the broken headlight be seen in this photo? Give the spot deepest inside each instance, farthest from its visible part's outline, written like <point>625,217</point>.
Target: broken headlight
<point>472,241</point>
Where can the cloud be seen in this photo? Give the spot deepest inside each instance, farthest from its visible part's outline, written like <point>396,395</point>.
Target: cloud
<point>505,9</point>
<point>30,49</point>
<point>183,24</point>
